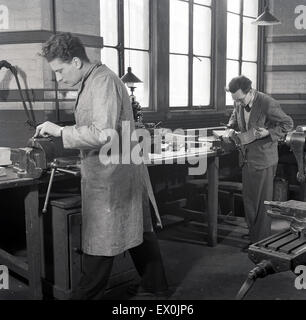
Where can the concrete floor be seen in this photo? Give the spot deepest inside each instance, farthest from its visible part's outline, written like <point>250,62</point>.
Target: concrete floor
<point>198,272</point>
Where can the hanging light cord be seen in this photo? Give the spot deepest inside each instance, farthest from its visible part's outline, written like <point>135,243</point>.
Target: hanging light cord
<point>129,9</point>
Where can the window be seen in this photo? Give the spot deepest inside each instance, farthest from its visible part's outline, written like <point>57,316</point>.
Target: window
<point>199,45</point>
<point>190,53</point>
<point>125,28</point>
<point>242,41</point>
<point>109,32</point>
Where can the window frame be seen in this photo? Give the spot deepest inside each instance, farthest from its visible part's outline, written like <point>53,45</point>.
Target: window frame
<point>159,50</point>
<point>121,48</point>
<point>260,52</point>
<point>190,55</point>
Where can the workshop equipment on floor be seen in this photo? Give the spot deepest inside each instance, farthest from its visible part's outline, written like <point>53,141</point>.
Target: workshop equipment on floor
<point>283,251</point>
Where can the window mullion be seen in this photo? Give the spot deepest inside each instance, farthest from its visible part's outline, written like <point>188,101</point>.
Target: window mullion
<point>120,46</point>
<point>190,60</point>
<point>241,36</point>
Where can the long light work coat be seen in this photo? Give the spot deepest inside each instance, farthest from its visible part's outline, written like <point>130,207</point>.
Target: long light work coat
<point>113,214</point>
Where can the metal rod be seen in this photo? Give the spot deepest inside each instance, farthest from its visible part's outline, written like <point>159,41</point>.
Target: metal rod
<point>49,190</point>
<point>75,173</point>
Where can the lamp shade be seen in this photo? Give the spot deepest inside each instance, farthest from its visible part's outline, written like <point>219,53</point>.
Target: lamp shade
<point>129,77</point>
<point>266,19</point>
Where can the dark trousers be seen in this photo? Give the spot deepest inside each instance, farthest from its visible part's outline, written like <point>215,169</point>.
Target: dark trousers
<point>257,188</point>
<point>97,270</point>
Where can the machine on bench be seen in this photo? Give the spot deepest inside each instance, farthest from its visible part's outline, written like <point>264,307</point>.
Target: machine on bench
<point>286,250</point>
<point>283,251</point>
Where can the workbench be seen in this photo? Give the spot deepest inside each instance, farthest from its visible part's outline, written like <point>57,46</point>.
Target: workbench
<point>212,180</point>
<point>31,269</point>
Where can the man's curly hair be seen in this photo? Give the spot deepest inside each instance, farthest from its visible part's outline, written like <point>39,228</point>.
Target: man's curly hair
<point>64,46</point>
<point>240,82</point>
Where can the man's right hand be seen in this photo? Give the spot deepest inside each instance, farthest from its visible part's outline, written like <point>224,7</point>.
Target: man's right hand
<point>229,135</point>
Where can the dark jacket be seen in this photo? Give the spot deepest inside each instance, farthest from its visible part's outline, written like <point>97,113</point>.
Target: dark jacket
<point>265,113</point>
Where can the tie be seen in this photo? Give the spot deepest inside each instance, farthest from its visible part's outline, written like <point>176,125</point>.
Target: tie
<point>247,108</point>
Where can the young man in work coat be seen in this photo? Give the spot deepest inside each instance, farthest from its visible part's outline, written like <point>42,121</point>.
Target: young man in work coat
<point>261,123</point>
<point>115,210</point>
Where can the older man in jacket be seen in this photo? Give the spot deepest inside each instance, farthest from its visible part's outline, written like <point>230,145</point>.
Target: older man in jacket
<point>115,207</point>
<point>260,123</point>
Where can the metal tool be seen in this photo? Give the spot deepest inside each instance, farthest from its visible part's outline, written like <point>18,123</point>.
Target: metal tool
<point>42,155</point>
<point>56,166</point>
<point>36,158</point>
<point>283,251</point>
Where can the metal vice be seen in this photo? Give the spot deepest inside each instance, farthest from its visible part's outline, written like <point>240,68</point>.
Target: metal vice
<point>283,251</point>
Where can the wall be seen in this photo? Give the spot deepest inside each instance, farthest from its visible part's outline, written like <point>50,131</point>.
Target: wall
<point>285,70</point>
<point>22,31</point>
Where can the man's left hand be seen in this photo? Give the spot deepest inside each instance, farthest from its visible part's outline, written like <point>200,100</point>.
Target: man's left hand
<point>48,129</point>
<point>261,133</point>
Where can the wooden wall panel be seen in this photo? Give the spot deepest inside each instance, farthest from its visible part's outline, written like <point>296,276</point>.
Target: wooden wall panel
<point>286,53</point>
<point>285,76</point>
<point>285,82</point>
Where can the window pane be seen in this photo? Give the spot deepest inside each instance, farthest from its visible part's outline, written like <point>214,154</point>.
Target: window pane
<point>136,23</point>
<point>233,36</point>
<point>108,27</point>
<point>179,22</point>
<point>250,71</point>
<point>233,5</point>
<point>109,57</point>
<point>201,82</point>
<point>202,31</point>
<point>139,61</point>
<point>250,36</point>
<point>178,81</point>
<point>206,2</point>
<point>250,8</point>
<point>232,70</point>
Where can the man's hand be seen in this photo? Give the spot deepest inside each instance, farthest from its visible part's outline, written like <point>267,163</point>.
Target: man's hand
<point>48,129</point>
<point>261,133</point>
<point>229,135</point>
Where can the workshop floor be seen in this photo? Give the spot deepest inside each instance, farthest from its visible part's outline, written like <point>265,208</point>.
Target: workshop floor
<point>198,272</point>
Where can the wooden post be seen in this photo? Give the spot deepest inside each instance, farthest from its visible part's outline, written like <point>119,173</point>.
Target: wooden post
<point>212,206</point>
<point>33,236</point>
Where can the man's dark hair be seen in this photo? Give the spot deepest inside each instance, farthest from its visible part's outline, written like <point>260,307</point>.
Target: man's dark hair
<point>241,82</point>
<point>64,46</point>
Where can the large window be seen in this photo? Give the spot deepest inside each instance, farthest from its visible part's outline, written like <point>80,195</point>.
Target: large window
<point>125,28</point>
<point>242,41</point>
<point>190,53</point>
<point>199,45</point>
